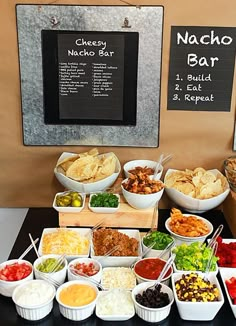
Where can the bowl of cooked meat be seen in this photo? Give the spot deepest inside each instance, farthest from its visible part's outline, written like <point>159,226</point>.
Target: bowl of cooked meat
<point>116,247</point>
<point>187,228</point>
<point>144,166</point>
<point>141,191</point>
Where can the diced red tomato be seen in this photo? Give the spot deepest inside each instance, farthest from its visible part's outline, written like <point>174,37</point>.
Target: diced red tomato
<point>88,269</point>
<point>15,272</point>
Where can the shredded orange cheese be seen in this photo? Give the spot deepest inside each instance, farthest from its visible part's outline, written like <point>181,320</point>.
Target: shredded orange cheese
<point>65,241</point>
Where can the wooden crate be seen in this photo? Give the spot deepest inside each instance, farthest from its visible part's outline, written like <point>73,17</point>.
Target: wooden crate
<point>125,217</point>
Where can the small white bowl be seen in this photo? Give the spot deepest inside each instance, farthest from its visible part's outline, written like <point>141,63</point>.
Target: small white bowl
<point>76,313</point>
<point>141,163</point>
<point>68,209</point>
<point>230,255</point>
<point>7,287</point>
<point>141,201</point>
<point>200,311</point>
<point>115,305</point>
<point>83,186</point>
<point>96,277</point>
<point>182,239</point>
<point>152,315</point>
<point>104,210</point>
<point>226,274</point>
<point>58,276</point>
<point>140,278</point>
<point>34,299</point>
<point>194,205</point>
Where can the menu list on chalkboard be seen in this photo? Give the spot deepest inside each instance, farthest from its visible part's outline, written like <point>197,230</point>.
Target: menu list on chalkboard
<point>201,68</point>
<point>91,73</point>
<point>90,77</point>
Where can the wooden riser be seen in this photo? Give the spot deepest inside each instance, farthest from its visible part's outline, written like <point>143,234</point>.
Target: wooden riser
<point>125,217</point>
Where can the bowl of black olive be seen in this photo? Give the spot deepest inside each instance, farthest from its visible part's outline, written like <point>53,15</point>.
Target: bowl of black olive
<point>152,303</point>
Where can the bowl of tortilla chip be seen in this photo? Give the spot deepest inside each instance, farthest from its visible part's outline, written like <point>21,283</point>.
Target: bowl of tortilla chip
<point>197,190</point>
<point>88,171</point>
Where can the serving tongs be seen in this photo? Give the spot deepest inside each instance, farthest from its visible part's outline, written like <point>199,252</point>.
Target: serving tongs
<point>84,276</point>
<point>109,252</point>
<point>212,254</point>
<point>28,249</point>
<point>167,248</point>
<point>146,251</point>
<point>215,235</point>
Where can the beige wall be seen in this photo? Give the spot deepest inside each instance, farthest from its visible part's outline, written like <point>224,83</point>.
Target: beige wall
<point>194,138</point>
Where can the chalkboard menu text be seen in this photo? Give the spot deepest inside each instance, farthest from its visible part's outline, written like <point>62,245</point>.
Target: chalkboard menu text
<point>201,68</point>
<point>90,77</point>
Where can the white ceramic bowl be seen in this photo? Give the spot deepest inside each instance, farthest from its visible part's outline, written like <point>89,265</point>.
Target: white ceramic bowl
<point>68,209</point>
<point>140,277</point>
<point>76,313</point>
<point>66,246</point>
<point>82,186</point>
<point>58,276</point>
<point>199,311</point>
<point>30,307</point>
<point>181,239</point>
<point>96,277</point>
<point>7,287</point>
<point>194,205</point>
<point>117,261</point>
<point>176,270</point>
<point>141,163</point>
<point>115,305</point>
<point>152,315</point>
<point>141,201</point>
<point>118,278</point>
<point>226,274</point>
<point>104,210</point>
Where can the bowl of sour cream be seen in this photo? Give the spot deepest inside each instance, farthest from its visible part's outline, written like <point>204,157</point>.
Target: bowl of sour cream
<point>34,299</point>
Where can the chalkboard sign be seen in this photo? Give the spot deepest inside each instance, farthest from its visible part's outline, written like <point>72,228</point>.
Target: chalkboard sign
<point>90,77</point>
<point>201,68</point>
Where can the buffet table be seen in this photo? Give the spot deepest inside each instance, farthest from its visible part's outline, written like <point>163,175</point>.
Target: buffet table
<point>39,218</point>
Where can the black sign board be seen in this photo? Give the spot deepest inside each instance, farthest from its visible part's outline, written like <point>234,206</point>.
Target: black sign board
<point>201,68</point>
<point>90,77</point>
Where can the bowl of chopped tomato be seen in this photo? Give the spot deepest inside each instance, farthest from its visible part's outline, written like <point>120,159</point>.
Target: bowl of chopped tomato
<point>226,252</point>
<point>13,273</point>
<point>84,267</point>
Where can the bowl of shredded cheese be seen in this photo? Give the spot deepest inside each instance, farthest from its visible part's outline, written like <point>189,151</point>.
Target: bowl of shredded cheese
<point>73,242</point>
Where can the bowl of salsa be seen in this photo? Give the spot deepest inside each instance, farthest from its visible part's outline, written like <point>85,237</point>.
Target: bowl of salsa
<point>148,269</point>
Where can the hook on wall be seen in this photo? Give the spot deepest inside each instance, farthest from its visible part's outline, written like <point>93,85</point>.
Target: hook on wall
<point>54,21</point>
<point>126,23</point>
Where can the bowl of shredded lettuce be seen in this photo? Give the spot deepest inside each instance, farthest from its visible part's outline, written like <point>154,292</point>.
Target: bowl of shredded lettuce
<point>194,257</point>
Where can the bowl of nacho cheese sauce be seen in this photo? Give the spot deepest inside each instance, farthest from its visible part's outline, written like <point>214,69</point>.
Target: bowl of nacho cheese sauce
<point>77,299</point>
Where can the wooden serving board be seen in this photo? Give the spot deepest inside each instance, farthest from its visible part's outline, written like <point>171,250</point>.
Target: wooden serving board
<point>126,216</point>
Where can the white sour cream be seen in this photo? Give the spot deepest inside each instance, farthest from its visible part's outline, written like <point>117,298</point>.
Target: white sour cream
<point>34,294</point>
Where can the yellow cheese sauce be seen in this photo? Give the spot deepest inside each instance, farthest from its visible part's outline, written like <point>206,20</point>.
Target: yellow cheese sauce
<point>77,295</point>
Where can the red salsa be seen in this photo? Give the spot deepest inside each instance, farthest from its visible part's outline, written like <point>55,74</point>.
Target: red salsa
<point>150,268</point>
